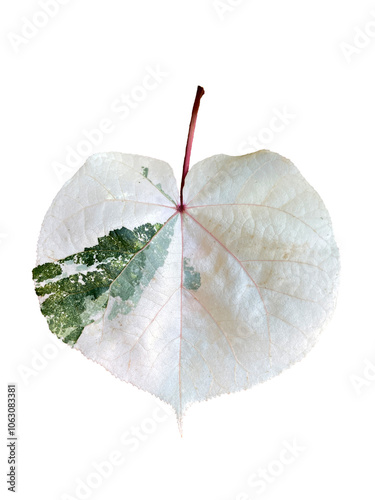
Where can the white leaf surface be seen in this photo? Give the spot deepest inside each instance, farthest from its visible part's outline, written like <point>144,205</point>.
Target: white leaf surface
<point>212,299</point>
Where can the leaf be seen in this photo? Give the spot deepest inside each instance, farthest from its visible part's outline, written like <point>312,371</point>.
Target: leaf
<point>194,298</point>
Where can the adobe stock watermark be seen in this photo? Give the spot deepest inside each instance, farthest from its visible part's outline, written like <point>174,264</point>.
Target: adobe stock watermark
<point>365,379</point>
<point>121,108</point>
<point>38,361</point>
<point>277,124</point>
<point>131,441</point>
<point>360,40</point>
<point>260,480</point>
<point>31,26</point>
<point>224,7</point>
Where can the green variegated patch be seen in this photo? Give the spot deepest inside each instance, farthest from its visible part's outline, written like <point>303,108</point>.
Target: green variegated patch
<point>130,284</point>
<point>75,290</point>
<point>192,279</point>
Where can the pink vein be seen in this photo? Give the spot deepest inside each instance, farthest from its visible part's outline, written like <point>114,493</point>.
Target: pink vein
<point>261,206</point>
<point>240,263</point>
<point>182,277</point>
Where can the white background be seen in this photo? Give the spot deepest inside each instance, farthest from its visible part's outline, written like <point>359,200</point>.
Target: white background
<point>257,57</point>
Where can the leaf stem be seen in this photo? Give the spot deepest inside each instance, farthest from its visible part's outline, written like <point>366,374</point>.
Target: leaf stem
<point>189,144</point>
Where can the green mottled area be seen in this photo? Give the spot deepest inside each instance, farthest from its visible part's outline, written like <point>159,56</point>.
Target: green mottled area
<point>128,288</point>
<point>192,279</point>
<point>76,289</point>
<point>46,271</point>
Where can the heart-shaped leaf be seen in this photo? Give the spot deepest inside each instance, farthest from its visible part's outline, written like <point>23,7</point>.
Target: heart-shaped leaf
<point>191,297</point>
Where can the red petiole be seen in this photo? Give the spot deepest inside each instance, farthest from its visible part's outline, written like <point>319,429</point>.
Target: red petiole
<point>189,144</point>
